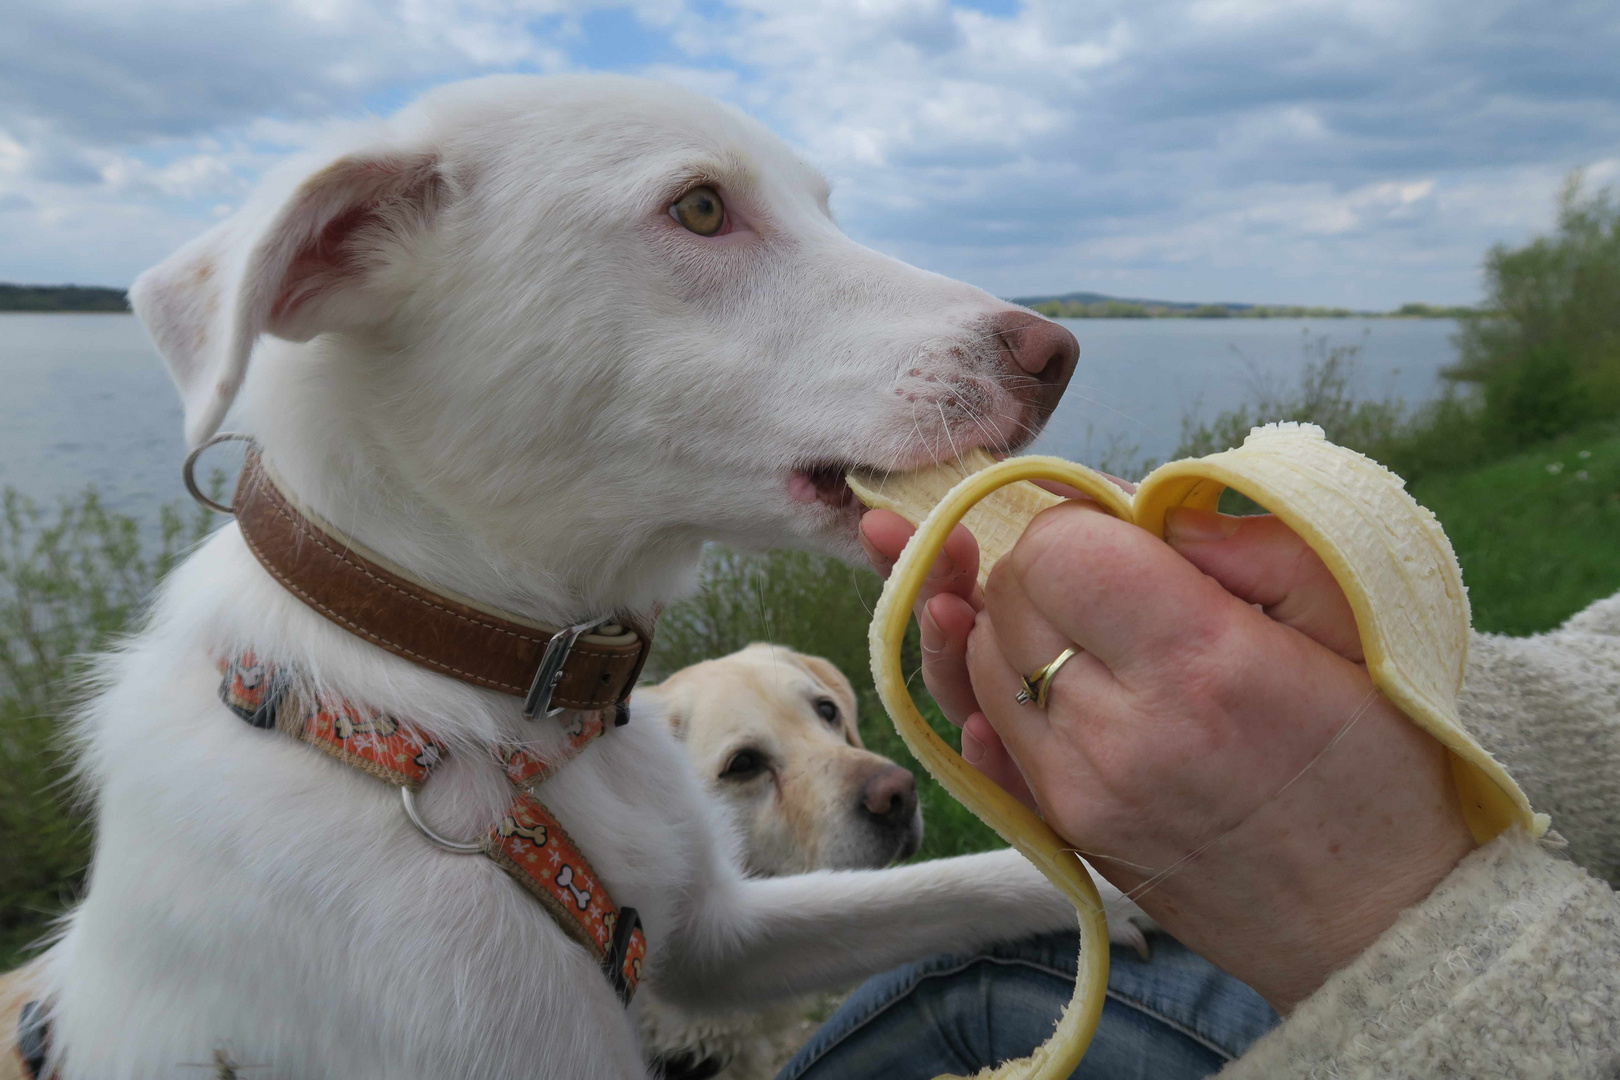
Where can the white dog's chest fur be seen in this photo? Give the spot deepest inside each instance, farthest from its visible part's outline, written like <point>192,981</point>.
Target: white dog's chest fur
<point>278,867</point>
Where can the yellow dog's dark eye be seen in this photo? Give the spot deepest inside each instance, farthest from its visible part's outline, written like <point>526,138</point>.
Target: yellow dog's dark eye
<point>700,210</point>
<point>744,765</point>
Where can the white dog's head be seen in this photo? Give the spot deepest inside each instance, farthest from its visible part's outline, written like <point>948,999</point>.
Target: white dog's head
<point>538,338</point>
<point>772,735</point>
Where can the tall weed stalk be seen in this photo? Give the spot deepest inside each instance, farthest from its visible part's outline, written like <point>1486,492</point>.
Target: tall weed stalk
<point>70,581</point>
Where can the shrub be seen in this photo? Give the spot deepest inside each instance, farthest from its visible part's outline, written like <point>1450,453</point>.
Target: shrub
<point>1323,396</point>
<point>1433,311</point>
<point>1545,355</point>
<point>68,584</point>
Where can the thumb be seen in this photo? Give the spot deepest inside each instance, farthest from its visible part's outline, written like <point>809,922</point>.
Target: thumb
<point>1261,561</point>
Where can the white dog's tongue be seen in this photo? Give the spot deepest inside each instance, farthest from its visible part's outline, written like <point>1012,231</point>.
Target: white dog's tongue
<point>820,483</point>
<point>801,488</point>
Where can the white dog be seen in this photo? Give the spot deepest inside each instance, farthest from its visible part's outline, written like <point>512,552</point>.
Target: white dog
<point>533,341</point>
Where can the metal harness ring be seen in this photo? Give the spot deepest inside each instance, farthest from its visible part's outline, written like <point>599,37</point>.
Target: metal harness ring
<point>460,847</point>
<point>188,469</point>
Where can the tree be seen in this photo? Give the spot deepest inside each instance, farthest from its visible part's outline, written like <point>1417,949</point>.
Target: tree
<point>1545,352</point>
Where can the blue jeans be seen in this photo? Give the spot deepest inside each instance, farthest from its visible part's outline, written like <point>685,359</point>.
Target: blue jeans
<point>1172,1017</point>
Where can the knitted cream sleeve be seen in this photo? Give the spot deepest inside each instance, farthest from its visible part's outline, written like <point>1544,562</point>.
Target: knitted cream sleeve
<point>1509,968</point>
<point>1548,707</point>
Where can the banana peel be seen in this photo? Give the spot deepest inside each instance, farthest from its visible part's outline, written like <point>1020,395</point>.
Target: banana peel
<point>1386,552</point>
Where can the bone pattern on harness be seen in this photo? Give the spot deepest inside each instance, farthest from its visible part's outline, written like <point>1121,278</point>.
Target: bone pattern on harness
<point>527,842</point>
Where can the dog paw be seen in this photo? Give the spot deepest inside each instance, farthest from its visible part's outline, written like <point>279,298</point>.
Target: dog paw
<point>1127,924</point>
<point>1122,930</point>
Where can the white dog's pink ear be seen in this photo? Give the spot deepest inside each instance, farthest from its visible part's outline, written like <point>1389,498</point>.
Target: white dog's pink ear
<point>307,266</point>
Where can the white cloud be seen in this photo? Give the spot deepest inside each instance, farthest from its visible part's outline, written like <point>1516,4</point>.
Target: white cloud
<point>1360,152</point>
<point>13,157</point>
<point>186,178</point>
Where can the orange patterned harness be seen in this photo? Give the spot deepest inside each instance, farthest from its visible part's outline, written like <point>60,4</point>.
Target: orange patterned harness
<point>528,842</point>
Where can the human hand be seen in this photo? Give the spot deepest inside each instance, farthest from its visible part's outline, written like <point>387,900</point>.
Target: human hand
<point>946,607</point>
<point>1188,712</point>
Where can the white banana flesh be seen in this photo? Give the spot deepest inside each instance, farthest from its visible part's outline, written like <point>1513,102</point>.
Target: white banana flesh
<point>1386,552</point>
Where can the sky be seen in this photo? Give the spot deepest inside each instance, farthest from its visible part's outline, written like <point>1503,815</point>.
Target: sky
<point>1361,153</point>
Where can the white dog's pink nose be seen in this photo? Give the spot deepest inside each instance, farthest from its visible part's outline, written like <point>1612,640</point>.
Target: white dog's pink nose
<point>1040,349</point>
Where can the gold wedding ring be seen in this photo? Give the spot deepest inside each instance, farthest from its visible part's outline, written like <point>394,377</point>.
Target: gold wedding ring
<point>1037,685</point>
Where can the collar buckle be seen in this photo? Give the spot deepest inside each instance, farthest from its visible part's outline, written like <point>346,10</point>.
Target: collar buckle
<point>552,661</point>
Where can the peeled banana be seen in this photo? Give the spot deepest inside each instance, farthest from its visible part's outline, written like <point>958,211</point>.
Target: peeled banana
<point>1386,552</point>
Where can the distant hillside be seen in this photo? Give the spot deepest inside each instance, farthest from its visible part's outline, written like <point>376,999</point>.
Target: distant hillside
<point>1102,298</point>
<point>61,298</point>
<point>1090,305</point>
<point>1074,305</point>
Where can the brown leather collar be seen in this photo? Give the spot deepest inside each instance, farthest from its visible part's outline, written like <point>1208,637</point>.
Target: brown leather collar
<point>583,667</point>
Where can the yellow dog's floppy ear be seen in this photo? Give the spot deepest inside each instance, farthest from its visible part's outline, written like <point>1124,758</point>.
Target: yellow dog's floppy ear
<point>828,675</point>
<point>293,266</point>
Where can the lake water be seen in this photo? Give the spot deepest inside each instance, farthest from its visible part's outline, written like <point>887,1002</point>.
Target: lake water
<point>85,400</point>
<point>1137,378</point>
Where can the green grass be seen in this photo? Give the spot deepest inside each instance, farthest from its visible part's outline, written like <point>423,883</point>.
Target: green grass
<point>1538,534</point>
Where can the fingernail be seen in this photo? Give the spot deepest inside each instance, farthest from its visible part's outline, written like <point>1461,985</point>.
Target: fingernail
<point>972,748</point>
<point>1188,525</point>
<point>943,567</point>
<point>930,625</point>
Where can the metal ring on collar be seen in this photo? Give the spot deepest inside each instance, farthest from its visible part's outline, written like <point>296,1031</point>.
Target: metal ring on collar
<point>460,847</point>
<point>1038,685</point>
<point>188,469</point>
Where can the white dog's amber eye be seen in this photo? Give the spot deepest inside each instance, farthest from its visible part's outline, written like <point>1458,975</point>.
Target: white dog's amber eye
<point>700,210</point>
